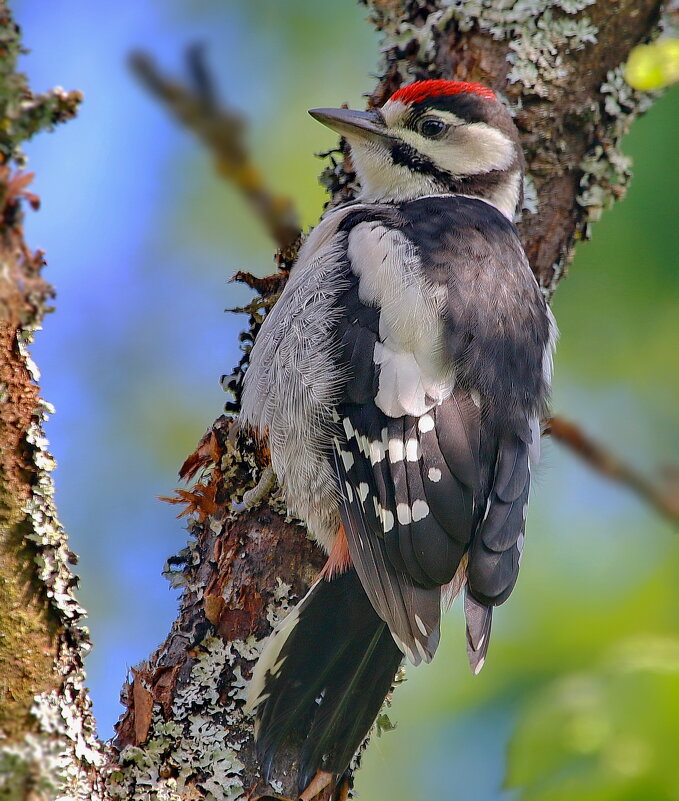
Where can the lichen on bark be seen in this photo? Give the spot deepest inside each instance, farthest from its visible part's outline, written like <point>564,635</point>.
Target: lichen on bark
<point>184,734</point>
<point>561,93</point>
<point>47,743</point>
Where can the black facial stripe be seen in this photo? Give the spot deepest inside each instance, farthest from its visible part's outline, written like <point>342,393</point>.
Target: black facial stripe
<point>479,185</point>
<point>407,156</point>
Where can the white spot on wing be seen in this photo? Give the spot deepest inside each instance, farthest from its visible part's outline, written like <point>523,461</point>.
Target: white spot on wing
<point>396,450</point>
<point>376,452</point>
<point>519,545</point>
<point>403,513</point>
<point>362,491</point>
<point>350,492</point>
<point>413,452</point>
<point>363,444</point>
<point>423,654</point>
<point>420,510</point>
<point>348,428</point>
<point>399,642</point>
<point>387,520</point>
<point>476,398</point>
<point>434,474</point>
<point>425,423</point>
<point>348,459</point>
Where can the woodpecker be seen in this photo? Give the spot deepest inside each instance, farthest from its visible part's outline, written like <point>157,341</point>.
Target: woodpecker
<point>399,381</point>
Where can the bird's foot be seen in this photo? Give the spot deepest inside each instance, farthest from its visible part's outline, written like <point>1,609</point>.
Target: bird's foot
<point>253,497</point>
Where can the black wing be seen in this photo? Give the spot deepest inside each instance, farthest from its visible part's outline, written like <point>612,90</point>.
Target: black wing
<point>421,490</point>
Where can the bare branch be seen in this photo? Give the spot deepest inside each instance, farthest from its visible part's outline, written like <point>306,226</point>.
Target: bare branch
<point>222,130</point>
<point>662,496</point>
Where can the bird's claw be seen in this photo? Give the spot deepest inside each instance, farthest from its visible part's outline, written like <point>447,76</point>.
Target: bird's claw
<point>253,497</point>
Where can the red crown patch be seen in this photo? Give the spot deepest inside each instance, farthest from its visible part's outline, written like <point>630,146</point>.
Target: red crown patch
<point>421,90</point>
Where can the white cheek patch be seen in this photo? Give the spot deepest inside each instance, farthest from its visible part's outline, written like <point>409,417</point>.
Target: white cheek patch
<point>381,179</point>
<point>467,149</point>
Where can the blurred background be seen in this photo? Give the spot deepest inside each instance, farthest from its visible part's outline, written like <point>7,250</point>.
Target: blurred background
<point>580,695</point>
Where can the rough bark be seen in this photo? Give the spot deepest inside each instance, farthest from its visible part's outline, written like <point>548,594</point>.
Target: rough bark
<point>184,735</point>
<point>47,745</point>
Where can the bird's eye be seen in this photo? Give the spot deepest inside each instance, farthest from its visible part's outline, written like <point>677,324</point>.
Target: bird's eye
<point>431,127</point>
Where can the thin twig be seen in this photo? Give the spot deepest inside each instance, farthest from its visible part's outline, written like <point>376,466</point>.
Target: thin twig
<point>663,494</point>
<point>222,130</point>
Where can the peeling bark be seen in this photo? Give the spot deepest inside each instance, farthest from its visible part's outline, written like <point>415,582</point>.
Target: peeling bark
<point>183,734</point>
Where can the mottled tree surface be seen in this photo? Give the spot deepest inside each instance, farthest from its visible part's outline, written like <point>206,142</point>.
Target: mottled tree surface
<point>47,747</point>
<point>183,735</point>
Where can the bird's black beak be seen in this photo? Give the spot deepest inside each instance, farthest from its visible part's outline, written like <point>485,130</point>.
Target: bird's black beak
<point>352,124</point>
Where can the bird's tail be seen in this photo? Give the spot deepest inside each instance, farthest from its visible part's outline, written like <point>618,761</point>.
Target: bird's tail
<point>321,680</point>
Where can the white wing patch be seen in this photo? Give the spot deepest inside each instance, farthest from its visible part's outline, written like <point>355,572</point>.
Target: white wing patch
<point>414,373</point>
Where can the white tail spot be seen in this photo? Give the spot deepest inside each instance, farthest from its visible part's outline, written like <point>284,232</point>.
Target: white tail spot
<point>421,626</point>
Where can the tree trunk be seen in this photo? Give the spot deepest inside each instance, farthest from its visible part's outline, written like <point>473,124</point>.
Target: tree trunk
<point>184,735</point>
<point>47,743</point>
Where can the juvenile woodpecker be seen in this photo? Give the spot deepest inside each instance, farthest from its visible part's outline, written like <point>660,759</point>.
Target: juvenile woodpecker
<point>399,380</point>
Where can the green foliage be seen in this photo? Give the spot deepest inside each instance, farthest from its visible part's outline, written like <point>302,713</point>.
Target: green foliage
<point>609,733</point>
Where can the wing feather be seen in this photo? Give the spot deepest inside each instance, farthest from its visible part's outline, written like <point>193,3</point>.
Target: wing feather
<point>431,339</point>
<point>395,597</point>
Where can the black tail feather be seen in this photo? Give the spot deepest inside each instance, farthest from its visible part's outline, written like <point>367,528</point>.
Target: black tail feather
<point>331,675</point>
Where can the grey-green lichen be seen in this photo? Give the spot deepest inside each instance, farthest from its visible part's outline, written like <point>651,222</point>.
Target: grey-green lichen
<point>538,33</point>
<point>57,758</point>
<point>195,753</point>
<point>24,114</point>
<point>194,749</point>
<point>606,171</point>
